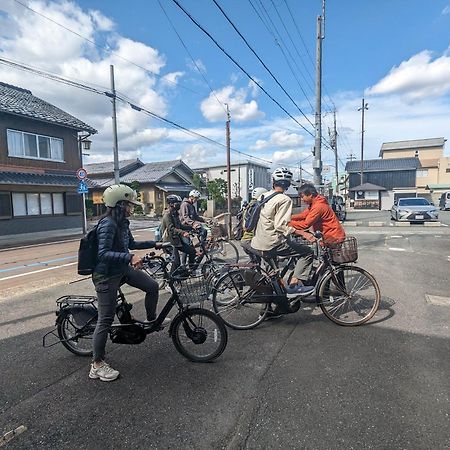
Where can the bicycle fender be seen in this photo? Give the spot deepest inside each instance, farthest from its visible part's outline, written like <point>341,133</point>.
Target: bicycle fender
<point>81,314</point>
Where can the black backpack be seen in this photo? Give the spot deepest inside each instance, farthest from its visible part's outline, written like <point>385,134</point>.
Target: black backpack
<point>254,211</point>
<point>88,253</point>
<point>238,229</point>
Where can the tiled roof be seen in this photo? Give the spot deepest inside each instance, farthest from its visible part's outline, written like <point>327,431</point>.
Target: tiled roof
<point>413,144</point>
<point>108,167</point>
<point>383,165</point>
<point>15,100</point>
<point>151,172</point>
<point>368,187</point>
<point>429,162</point>
<point>37,179</point>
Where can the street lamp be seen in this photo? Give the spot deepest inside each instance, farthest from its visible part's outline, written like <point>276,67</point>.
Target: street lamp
<point>364,107</point>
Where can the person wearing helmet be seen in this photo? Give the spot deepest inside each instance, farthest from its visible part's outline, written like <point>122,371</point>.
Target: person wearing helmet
<point>247,236</point>
<point>273,233</point>
<point>115,265</point>
<point>173,231</point>
<point>189,216</point>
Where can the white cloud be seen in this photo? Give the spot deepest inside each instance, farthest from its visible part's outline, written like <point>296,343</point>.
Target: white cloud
<point>418,78</point>
<point>241,110</point>
<point>280,139</point>
<point>198,155</point>
<point>287,156</point>
<point>446,10</point>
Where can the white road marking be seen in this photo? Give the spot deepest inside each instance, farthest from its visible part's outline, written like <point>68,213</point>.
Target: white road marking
<point>444,225</point>
<point>395,237</point>
<point>437,300</point>
<point>7,437</point>
<point>37,271</point>
<point>396,249</point>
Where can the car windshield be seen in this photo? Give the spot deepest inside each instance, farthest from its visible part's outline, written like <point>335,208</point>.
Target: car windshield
<point>413,202</point>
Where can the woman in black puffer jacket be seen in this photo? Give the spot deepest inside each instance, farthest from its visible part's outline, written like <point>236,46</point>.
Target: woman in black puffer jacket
<point>115,262</point>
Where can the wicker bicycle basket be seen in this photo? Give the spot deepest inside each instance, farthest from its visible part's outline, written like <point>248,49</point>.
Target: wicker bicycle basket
<point>219,230</point>
<point>193,289</point>
<point>346,252</point>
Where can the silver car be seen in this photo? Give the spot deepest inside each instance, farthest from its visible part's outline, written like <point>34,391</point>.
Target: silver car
<point>414,209</point>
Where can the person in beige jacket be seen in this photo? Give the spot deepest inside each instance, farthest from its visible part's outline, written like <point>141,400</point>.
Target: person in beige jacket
<point>273,235</point>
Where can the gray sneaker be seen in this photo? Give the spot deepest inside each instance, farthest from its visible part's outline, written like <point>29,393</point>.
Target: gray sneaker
<point>105,372</point>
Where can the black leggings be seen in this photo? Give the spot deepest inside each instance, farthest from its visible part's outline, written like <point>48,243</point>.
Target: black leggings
<point>107,302</point>
<point>185,248</point>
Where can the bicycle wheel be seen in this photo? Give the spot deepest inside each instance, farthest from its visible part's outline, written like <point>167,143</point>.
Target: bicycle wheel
<point>349,295</point>
<point>224,250</point>
<point>155,270</point>
<point>199,335</point>
<point>76,339</point>
<point>233,301</point>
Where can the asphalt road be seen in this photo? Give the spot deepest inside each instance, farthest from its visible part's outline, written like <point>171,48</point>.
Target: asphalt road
<point>298,382</point>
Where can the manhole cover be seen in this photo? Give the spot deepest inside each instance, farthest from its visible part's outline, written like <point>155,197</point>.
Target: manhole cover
<point>436,300</point>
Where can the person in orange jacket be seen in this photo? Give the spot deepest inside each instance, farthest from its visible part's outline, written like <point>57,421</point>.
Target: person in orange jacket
<point>319,216</point>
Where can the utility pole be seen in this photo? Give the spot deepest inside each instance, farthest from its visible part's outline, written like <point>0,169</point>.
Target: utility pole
<point>364,107</point>
<point>114,121</point>
<point>317,163</point>
<point>228,171</point>
<point>333,141</point>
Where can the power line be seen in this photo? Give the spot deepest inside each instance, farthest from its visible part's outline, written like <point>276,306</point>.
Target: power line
<point>240,67</point>
<point>261,61</point>
<point>107,48</point>
<point>108,94</point>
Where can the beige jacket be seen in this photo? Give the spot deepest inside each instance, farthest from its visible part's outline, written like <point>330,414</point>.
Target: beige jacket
<point>272,228</point>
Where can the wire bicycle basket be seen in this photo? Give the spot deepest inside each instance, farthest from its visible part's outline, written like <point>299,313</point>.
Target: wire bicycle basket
<point>345,252</point>
<point>192,289</point>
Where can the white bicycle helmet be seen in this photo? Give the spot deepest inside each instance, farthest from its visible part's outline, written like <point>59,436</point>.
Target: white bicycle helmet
<point>282,174</point>
<point>119,192</point>
<point>257,192</point>
<point>194,193</point>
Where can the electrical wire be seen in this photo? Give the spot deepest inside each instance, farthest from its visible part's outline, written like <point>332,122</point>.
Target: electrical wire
<point>240,67</point>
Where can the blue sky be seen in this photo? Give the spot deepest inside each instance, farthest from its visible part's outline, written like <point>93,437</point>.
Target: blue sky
<point>396,54</point>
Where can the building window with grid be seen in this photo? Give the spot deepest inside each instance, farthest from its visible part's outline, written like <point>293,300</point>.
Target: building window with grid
<point>422,173</point>
<point>34,146</point>
<point>37,204</point>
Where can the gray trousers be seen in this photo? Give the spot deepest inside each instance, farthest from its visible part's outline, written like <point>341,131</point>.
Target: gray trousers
<point>304,264</point>
<point>107,302</point>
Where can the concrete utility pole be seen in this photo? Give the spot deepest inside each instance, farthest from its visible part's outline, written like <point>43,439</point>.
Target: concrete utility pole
<point>317,163</point>
<point>228,171</point>
<point>333,141</point>
<point>364,106</point>
<point>114,121</point>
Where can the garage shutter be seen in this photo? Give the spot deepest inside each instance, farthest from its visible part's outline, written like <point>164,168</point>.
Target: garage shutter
<point>5,205</point>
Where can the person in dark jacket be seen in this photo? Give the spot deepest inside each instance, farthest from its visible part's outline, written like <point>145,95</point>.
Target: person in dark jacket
<point>189,216</point>
<point>116,265</point>
<point>174,232</point>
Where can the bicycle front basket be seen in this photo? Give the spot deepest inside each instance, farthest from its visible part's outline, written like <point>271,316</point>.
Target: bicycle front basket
<point>346,252</point>
<point>219,230</point>
<point>193,289</point>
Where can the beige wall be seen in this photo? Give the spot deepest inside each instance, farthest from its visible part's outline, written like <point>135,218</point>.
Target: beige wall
<point>429,153</point>
<point>444,165</point>
<point>431,178</point>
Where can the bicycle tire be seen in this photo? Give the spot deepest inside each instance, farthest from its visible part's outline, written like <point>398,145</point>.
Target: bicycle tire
<point>348,308</point>
<point>215,333</point>
<point>67,337</point>
<point>229,302</point>
<point>226,250</point>
<point>154,268</point>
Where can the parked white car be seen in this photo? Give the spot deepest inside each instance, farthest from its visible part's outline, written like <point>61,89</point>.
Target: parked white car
<point>414,209</point>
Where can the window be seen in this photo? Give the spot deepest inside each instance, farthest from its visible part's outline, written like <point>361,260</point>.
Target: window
<point>447,170</point>
<point>5,205</point>
<point>29,145</point>
<point>36,204</point>
<point>371,195</point>
<point>422,173</point>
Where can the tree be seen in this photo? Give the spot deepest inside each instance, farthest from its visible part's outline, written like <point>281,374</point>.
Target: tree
<point>135,185</point>
<point>217,190</point>
<point>197,181</point>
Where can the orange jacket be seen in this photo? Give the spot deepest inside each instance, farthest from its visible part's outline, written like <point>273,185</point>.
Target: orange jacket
<point>320,217</point>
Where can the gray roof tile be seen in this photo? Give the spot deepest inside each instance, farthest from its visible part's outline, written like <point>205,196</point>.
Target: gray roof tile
<point>383,165</point>
<point>108,167</point>
<point>15,100</point>
<point>37,179</point>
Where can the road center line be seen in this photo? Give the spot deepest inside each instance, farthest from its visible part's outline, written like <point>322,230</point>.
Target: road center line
<point>37,271</point>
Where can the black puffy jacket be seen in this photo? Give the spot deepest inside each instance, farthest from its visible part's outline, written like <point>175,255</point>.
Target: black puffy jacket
<point>114,245</point>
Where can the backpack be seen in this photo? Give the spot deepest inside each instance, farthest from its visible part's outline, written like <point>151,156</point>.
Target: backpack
<point>88,253</point>
<point>254,211</point>
<point>238,229</point>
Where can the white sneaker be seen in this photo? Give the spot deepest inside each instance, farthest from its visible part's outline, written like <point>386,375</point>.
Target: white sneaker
<point>105,372</point>
<point>164,324</point>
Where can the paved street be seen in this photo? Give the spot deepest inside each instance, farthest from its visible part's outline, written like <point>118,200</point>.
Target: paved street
<point>298,382</point>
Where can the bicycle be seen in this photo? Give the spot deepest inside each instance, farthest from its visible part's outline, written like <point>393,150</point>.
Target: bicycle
<point>218,243</point>
<point>348,295</point>
<point>197,333</point>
